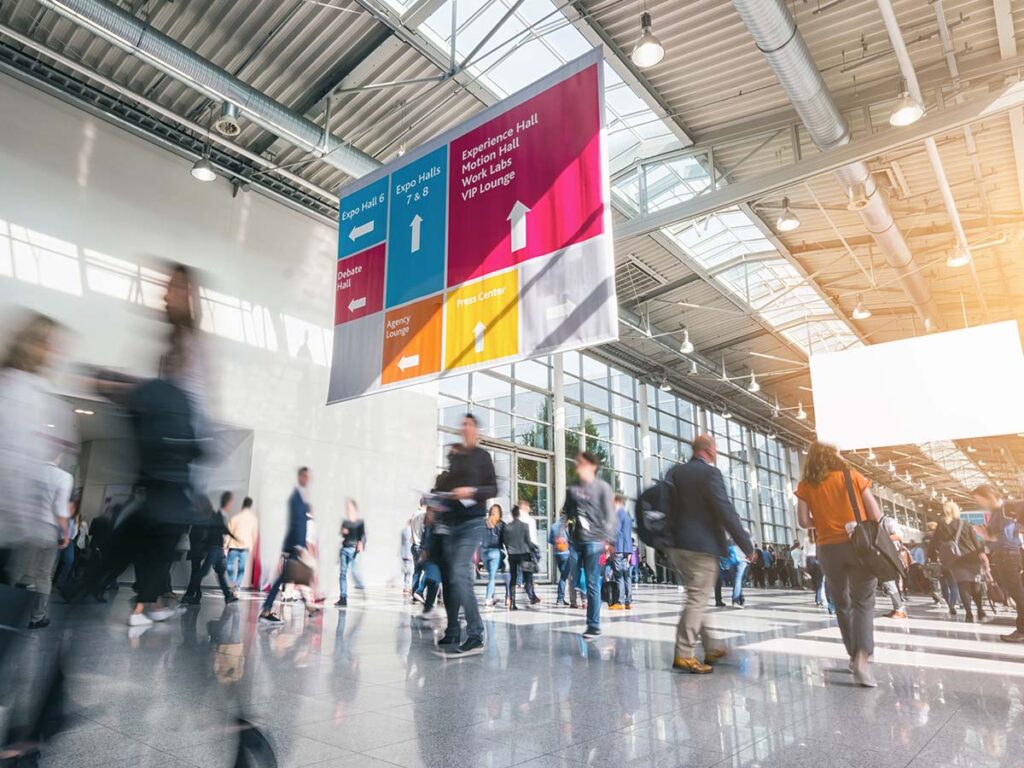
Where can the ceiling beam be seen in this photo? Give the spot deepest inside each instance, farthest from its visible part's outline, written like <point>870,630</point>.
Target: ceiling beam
<point>747,190</point>
<point>661,290</point>
<point>728,343</point>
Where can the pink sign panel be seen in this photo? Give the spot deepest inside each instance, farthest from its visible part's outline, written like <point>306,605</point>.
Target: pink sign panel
<point>360,287</point>
<point>528,182</point>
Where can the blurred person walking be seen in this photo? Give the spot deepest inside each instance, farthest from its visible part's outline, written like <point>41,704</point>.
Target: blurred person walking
<point>471,481</point>
<point>243,532</point>
<point>206,551</point>
<point>623,555</point>
<point>956,546</point>
<point>891,587</point>
<point>824,504</point>
<point>702,519</point>
<point>405,554</point>
<point>590,510</point>
<point>493,544</point>
<point>416,526</point>
<point>353,542</point>
<point>814,569</point>
<point>35,493</point>
<point>1004,543</point>
<point>294,546</point>
<point>558,538</point>
<point>519,547</point>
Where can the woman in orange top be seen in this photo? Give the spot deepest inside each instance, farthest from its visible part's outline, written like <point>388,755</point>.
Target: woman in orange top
<point>824,504</point>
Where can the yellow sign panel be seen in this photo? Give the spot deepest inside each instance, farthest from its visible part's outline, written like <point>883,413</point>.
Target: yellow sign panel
<point>482,320</point>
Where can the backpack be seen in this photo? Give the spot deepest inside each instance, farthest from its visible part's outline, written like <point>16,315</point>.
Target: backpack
<point>876,551</point>
<point>653,515</point>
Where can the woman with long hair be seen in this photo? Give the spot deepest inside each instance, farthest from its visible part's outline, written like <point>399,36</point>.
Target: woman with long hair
<point>824,504</point>
<point>494,535</point>
<point>962,556</point>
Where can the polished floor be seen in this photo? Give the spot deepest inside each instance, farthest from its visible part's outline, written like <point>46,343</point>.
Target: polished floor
<point>364,688</point>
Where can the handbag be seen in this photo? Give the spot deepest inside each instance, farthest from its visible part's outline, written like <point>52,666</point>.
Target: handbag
<point>875,550</point>
<point>949,551</point>
<point>297,571</point>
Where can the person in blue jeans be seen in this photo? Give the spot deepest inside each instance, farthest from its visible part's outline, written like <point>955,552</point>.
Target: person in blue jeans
<point>623,555</point>
<point>735,567</point>
<point>493,542</point>
<point>470,481</point>
<point>558,538</point>
<point>590,510</point>
<point>353,542</point>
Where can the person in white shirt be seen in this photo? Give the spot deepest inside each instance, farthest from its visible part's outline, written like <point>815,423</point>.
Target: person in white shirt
<point>34,491</point>
<point>891,588</point>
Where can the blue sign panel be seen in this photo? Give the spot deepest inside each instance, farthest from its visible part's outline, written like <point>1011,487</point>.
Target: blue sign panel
<point>363,218</point>
<point>416,235</point>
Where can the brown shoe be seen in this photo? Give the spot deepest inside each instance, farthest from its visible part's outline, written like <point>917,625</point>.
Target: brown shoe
<point>692,666</point>
<point>715,654</point>
<point>896,615</point>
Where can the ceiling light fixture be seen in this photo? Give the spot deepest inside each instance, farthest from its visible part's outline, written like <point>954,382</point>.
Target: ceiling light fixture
<point>648,50</point>
<point>203,170</point>
<point>84,412</point>
<point>772,434</point>
<point>801,414</point>
<point>686,347</point>
<point>693,369</point>
<point>787,220</point>
<point>906,111</point>
<point>971,449</point>
<point>753,386</point>
<point>871,454</point>
<point>860,312</point>
<point>227,123</point>
<point>960,257</point>
<point>664,385</point>
<point>806,449</point>
<point>726,413</point>
<point>891,467</point>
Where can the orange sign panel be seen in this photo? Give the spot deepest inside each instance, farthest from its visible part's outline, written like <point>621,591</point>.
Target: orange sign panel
<point>412,340</point>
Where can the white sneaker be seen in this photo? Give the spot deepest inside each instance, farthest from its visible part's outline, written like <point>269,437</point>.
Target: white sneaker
<point>162,614</point>
<point>139,620</point>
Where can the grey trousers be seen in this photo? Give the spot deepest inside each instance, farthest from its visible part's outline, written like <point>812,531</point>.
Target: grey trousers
<point>853,592</point>
<point>33,568</point>
<point>699,572</point>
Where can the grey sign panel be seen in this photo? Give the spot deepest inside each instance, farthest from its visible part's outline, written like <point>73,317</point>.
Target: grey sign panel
<point>568,299</point>
<point>358,350</point>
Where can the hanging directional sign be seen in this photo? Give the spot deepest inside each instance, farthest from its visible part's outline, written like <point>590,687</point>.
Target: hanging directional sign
<point>488,244</point>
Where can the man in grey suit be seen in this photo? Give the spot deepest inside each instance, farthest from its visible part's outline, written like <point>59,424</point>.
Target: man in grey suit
<point>702,520</point>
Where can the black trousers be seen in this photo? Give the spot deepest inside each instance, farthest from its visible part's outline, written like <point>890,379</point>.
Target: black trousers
<point>213,560</point>
<point>515,567</point>
<point>1006,570</point>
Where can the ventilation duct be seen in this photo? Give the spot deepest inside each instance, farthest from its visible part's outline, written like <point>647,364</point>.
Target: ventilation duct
<point>139,39</point>
<point>776,36</point>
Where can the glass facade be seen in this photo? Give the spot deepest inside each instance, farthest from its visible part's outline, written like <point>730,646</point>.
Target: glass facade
<point>603,414</point>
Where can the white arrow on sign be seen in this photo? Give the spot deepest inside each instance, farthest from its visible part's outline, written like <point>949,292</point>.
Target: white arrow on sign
<point>517,221</point>
<point>415,226</point>
<point>559,311</point>
<point>478,333</point>
<point>357,304</point>
<point>411,361</point>
<point>362,229</point>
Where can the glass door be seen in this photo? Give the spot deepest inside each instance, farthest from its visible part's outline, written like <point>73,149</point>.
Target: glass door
<point>524,476</point>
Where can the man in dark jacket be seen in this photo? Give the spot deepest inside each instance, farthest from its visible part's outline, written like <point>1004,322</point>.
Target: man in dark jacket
<point>294,541</point>
<point>590,511</point>
<point>206,552</point>
<point>702,519</point>
<point>519,547</point>
<point>471,481</point>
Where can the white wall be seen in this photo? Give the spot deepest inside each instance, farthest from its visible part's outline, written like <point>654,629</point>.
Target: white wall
<point>83,205</point>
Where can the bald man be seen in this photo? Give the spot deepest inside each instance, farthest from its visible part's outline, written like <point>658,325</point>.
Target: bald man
<point>703,520</point>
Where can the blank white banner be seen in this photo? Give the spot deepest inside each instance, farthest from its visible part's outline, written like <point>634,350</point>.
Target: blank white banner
<point>943,386</point>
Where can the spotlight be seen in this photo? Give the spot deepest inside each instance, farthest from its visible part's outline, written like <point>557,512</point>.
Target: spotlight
<point>860,312</point>
<point>686,347</point>
<point>961,257</point>
<point>648,51</point>
<point>801,414</point>
<point>787,220</point>
<point>753,386</point>
<point>906,111</point>
<point>203,170</point>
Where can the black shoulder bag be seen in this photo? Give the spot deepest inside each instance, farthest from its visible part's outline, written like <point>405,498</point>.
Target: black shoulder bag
<point>876,551</point>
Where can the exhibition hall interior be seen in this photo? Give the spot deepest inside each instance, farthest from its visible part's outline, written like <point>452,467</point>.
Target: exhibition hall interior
<point>536,383</point>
